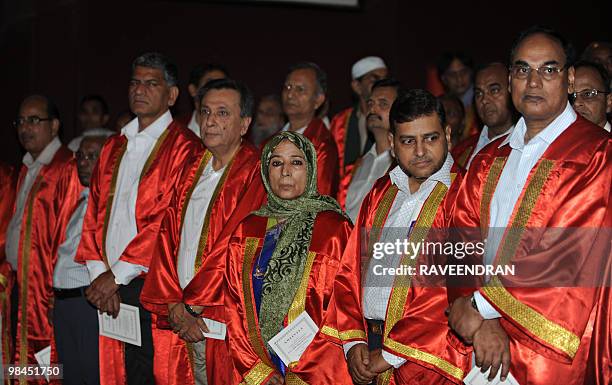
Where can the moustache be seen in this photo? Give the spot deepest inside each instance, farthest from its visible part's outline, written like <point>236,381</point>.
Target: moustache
<point>372,115</point>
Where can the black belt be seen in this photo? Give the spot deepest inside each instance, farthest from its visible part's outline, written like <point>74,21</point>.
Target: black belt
<point>70,293</point>
<point>376,326</point>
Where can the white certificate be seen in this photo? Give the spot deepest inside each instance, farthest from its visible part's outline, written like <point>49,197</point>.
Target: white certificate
<point>216,330</point>
<point>126,327</point>
<point>293,340</point>
<point>43,358</point>
<point>476,377</point>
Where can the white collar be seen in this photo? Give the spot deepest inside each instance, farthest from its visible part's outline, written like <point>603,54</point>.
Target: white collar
<point>551,132</point>
<point>608,127</point>
<point>300,131</point>
<point>154,130</point>
<point>484,134</point>
<point>46,156</point>
<point>443,175</point>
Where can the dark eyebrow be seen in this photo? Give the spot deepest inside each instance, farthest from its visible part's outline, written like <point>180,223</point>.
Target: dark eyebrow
<point>551,62</point>
<point>521,62</point>
<point>427,135</point>
<point>495,84</point>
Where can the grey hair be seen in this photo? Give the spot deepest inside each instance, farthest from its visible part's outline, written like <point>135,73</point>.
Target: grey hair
<point>158,61</point>
<point>98,133</point>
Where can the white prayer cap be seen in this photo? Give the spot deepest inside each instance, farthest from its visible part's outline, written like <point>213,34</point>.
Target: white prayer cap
<point>367,64</point>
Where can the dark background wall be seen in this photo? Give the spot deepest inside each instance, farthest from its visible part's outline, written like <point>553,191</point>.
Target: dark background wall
<point>70,48</point>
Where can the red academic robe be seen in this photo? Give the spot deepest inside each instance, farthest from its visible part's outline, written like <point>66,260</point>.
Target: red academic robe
<point>8,192</point>
<point>162,285</point>
<point>174,151</point>
<point>463,150</point>
<point>47,211</point>
<point>416,328</point>
<point>323,362</point>
<point>338,129</point>
<point>553,309</point>
<point>327,157</point>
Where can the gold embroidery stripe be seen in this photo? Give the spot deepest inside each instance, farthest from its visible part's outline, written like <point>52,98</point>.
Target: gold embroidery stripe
<point>431,359</point>
<point>3,280</point>
<point>258,374</point>
<point>299,301</point>
<point>293,379</point>
<point>203,162</point>
<point>463,158</point>
<point>329,331</point>
<point>381,214</point>
<point>109,201</point>
<point>191,357</point>
<point>153,153</point>
<point>25,268</point>
<point>534,322</point>
<point>487,193</point>
<point>399,293</point>
<point>250,248</point>
<point>206,227</point>
<point>385,377</point>
<point>352,334</point>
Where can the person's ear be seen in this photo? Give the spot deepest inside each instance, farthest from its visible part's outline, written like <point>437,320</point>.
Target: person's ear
<point>55,126</point>
<point>509,83</point>
<point>571,78</point>
<point>390,137</point>
<point>608,103</point>
<point>193,90</point>
<point>447,134</point>
<point>319,100</point>
<point>244,124</point>
<point>174,93</point>
<point>355,86</point>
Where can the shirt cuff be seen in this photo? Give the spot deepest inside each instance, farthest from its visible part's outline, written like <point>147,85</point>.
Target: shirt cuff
<point>484,307</point>
<point>347,346</point>
<point>125,272</point>
<point>95,268</point>
<point>393,360</point>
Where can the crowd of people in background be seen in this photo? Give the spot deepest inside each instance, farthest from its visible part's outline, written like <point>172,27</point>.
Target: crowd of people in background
<point>255,215</point>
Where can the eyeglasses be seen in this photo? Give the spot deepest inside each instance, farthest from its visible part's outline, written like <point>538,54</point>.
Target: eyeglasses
<point>81,156</point>
<point>546,72</point>
<point>588,94</point>
<point>33,120</point>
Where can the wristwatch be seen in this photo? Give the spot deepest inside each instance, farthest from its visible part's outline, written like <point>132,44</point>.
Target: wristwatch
<point>474,305</point>
<point>191,311</point>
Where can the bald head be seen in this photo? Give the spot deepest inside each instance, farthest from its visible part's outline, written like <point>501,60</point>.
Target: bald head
<point>492,99</point>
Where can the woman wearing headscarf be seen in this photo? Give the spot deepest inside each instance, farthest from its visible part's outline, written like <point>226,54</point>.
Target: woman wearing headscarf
<point>282,261</point>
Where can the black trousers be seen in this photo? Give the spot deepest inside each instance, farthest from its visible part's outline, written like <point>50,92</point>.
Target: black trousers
<point>75,326</point>
<point>138,359</point>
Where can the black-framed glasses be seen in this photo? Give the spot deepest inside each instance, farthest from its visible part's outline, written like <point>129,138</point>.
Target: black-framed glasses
<point>590,94</point>
<point>546,72</point>
<point>20,121</point>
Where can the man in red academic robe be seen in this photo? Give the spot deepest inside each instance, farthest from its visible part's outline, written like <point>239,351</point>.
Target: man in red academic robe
<point>210,193</point>
<point>198,77</point>
<point>494,108</point>
<point>406,328</point>
<point>541,198</point>
<point>131,188</point>
<point>348,127</point>
<point>303,93</point>
<point>47,189</point>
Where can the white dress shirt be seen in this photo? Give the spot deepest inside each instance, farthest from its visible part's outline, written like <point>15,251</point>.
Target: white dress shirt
<point>195,214</point>
<point>404,211</point>
<point>607,127</point>
<point>122,222</point>
<point>483,140</point>
<point>372,167</point>
<point>13,232</point>
<point>522,159</point>
<point>68,274</point>
<point>300,131</point>
<point>193,124</point>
